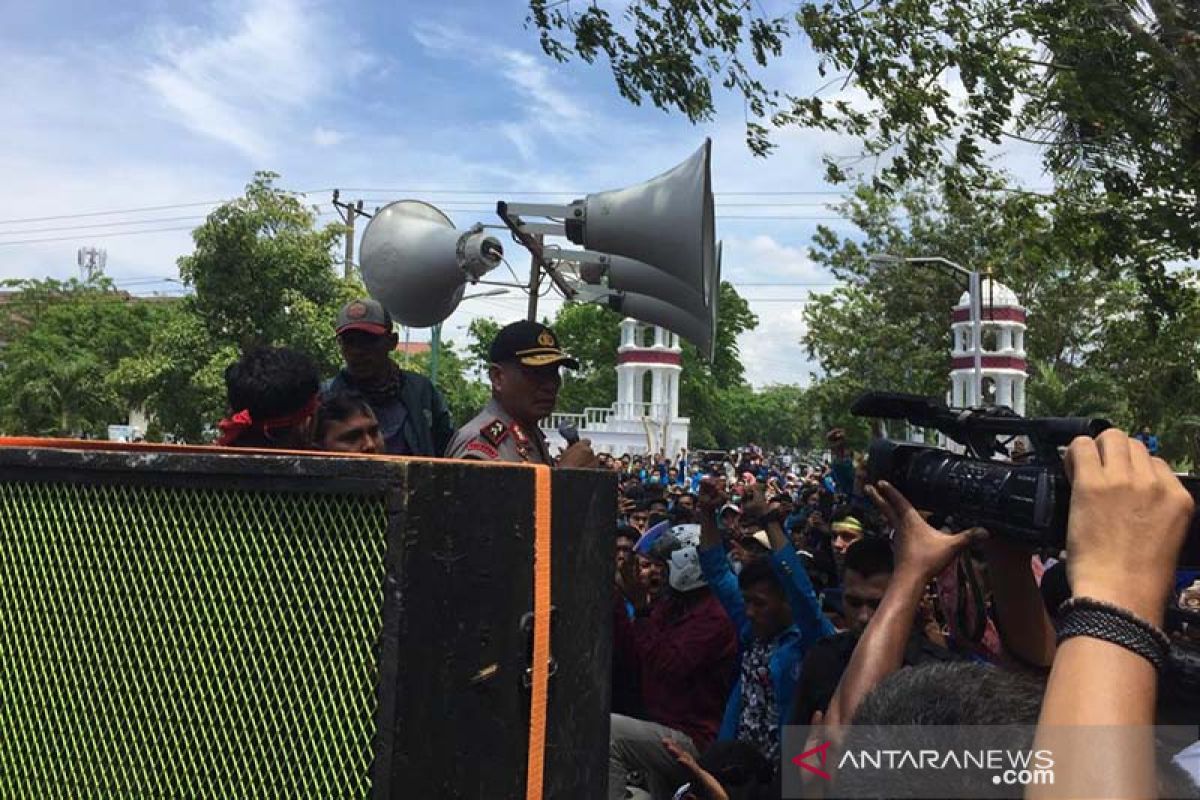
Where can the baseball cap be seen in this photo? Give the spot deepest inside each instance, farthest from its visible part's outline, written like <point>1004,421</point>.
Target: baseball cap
<point>529,343</point>
<point>729,507</point>
<point>364,314</point>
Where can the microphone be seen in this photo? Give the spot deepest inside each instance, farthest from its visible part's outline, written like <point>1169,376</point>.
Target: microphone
<point>896,405</point>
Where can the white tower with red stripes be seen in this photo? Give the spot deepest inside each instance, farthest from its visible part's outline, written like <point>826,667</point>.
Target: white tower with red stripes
<point>1003,350</point>
<point>645,418</point>
<point>649,363</point>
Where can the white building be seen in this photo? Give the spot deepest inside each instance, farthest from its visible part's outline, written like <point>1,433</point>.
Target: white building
<point>645,418</point>
<point>1004,367</point>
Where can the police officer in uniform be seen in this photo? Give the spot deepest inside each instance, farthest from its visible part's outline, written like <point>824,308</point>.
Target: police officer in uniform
<point>525,377</point>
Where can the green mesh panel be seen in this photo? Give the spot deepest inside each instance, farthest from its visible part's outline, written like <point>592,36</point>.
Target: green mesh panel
<point>159,642</point>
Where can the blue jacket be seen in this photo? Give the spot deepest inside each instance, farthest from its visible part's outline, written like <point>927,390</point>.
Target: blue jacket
<point>808,625</point>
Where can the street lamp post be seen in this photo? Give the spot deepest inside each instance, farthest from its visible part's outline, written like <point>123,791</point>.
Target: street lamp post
<point>974,288</point>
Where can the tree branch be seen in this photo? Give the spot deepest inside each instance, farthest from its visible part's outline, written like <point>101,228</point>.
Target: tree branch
<point>1188,77</point>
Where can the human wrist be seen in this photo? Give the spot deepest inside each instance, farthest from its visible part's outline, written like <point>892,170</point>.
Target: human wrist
<point>1099,619</point>
<point>908,585</point>
<point>1145,602</point>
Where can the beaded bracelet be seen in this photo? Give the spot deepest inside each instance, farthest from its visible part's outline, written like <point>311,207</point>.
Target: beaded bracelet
<point>1096,619</point>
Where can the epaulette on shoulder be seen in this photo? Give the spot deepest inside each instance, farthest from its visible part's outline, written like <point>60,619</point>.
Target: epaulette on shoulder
<point>494,432</point>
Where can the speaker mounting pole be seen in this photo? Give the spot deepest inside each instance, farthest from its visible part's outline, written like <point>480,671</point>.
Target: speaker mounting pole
<point>535,282</point>
<point>533,243</point>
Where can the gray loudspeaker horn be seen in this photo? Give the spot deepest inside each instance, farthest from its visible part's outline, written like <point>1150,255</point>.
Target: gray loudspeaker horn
<point>715,306</point>
<point>651,296</point>
<point>696,329</point>
<point>416,264</point>
<point>666,222</point>
<point>627,275</point>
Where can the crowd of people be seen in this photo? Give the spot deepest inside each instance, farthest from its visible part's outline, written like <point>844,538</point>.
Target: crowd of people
<point>752,592</point>
<point>745,588</point>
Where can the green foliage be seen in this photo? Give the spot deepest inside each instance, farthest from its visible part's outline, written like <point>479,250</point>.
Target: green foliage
<point>260,263</point>
<point>700,383</point>
<point>1097,343</point>
<point>464,395</point>
<point>1109,90</point>
<point>481,331</point>
<point>177,374</point>
<point>63,341</point>
<point>263,274</point>
<point>774,415</point>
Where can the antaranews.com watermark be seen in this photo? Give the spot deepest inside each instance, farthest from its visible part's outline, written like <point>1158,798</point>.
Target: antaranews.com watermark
<point>946,761</point>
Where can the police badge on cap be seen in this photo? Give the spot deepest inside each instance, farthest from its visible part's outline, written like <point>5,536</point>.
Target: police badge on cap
<point>531,344</point>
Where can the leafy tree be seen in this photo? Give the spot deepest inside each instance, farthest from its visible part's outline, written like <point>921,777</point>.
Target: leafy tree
<point>261,270</point>
<point>481,331</point>
<point>590,333</point>
<point>178,375</point>
<point>263,274</point>
<point>1096,344</point>
<point>464,395</point>
<point>1088,393</point>
<point>700,381</point>
<point>772,416</point>
<point>63,340</point>
<point>1110,91</point>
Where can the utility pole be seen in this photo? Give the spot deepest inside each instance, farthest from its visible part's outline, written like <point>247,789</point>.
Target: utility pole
<point>535,280</point>
<point>977,332</point>
<point>349,212</point>
<point>435,346</point>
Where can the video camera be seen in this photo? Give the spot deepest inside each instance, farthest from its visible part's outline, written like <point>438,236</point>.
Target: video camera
<point>1026,500</point>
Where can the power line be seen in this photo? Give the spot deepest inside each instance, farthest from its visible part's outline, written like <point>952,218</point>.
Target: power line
<point>96,236</point>
<point>451,202</point>
<point>115,224</point>
<point>110,213</point>
<point>800,300</point>
<point>107,234</point>
<point>79,214</point>
<point>511,193</point>
<point>836,193</point>
<point>792,217</point>
<point>199,203</point>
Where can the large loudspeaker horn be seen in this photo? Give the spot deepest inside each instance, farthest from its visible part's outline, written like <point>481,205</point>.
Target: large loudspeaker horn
<point>715,306</point>
<point>416,264</point>
<point>658,299</point>
<point>666,222</point>
<point>627,275</point>
<point>696,329</point>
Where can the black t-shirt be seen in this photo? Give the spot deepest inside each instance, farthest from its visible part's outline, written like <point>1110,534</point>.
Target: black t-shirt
<point>827,660</point>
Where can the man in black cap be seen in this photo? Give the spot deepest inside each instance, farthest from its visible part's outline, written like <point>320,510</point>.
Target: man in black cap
<point>526,360</point>
<point>412,415</point>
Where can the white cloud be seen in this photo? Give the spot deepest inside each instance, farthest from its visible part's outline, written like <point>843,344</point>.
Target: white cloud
<point>239,86</point>
<point>327,137</point>
<point>761,257</point>
<point>772,352</point>
<point>545,110</point>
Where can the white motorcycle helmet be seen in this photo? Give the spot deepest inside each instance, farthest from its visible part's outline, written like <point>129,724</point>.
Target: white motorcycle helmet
<point>680,548</point>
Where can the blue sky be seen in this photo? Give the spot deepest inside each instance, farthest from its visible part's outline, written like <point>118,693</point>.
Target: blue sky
<point>136,104</point>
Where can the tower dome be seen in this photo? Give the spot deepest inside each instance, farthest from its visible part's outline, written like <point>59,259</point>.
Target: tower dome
<point>1003,369</point>
<point>994,294</point>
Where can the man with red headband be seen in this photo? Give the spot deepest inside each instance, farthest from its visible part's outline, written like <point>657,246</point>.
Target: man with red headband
<point>273,395</point>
